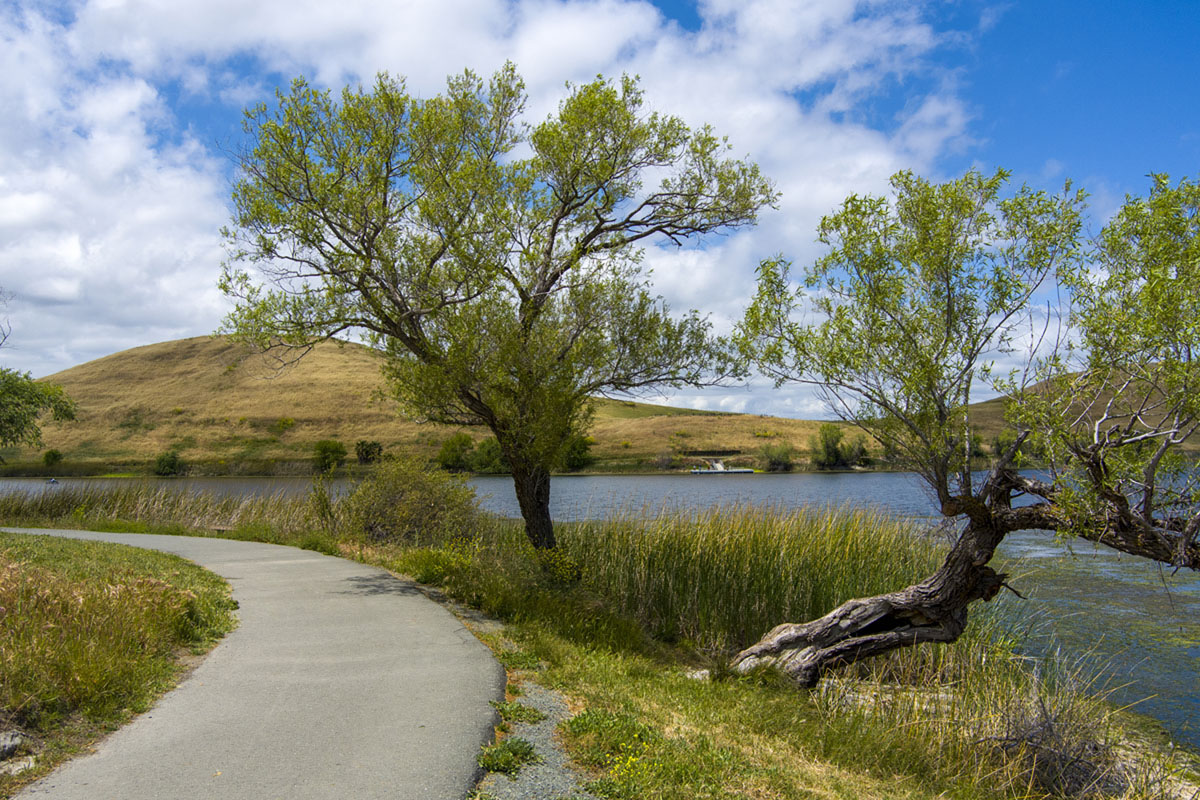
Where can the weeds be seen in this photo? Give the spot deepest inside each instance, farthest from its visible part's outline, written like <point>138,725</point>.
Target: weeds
<point>507,756</point>
<point>511,711</point>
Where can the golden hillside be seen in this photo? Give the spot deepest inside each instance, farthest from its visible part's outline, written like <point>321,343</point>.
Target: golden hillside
<point>220,403</point>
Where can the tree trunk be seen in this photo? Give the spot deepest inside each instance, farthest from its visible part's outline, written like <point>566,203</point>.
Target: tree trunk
<point>934,610</point>
<point>532,484</point>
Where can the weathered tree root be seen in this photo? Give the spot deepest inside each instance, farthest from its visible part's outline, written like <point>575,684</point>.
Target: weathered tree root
<point>934,610</point>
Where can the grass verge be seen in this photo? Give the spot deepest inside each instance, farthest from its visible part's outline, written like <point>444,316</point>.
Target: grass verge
<point>92,633</point>
<point>634,621</point>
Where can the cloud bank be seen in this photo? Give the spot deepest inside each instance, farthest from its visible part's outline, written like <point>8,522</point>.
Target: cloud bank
<point>114,183</point>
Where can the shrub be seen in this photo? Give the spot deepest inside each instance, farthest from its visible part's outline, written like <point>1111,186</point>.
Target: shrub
<point>779,457</point>
<point>52,458</point>
<point>826,447</point>
<point>855,454</point>
<point>456,453</point>
<point>168,463</point>
<point>488,457</point>
<point>576,453</point>
<point>367,452</point>
<point>406,503</point>
<point>282,424</point>
<point>328,454</point>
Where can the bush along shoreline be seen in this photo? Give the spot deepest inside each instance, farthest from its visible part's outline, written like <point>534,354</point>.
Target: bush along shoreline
<point>634,619</point>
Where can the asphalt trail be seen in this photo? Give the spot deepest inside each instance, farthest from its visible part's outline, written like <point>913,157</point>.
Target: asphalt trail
<point>341,681</point>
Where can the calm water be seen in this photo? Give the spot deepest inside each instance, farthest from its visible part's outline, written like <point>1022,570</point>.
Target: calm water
<point>1137,621</point>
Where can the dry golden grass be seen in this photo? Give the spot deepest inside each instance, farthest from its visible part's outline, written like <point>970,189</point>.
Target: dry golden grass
<point>652,437</point>
<point>219,402</point>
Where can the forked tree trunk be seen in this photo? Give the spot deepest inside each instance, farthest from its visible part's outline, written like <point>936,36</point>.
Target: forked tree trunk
<point>934,610</point>
<point>532,484</point>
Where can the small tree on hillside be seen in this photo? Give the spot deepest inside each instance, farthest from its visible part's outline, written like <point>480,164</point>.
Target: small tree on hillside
<point>367,451</point>
<point>496,265</point>
<point>825,447</point>
<point>915,297</point>
<point>328,455</point>
<point>23,401</point>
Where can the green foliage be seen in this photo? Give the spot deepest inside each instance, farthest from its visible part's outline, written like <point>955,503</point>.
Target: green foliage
<point>1136,360</point>
<point>282,425</point>
<point>722,577</point>
<point>52,458</point>
<point>826,447</point>
<point>777,457</point>
<point>598,737</point>
<point>328,455</point>
<point>23,401</point>
<point>456,452</point>
<point>507,756</point>
<point>577,452</point>
<point>402,502</point>
<point>488,458</point>
<point>560,568</point>
<point>432,565</point>
<point>169,463</point>
<point>496,263</point>
<point>367,452</point>
<point>916,293</point>
<point>829,451</point>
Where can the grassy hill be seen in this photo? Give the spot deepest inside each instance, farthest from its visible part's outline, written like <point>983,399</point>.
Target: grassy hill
<point>227,409</point>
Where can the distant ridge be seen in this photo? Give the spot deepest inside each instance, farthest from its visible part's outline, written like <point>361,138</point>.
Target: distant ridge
<point>223,405</point>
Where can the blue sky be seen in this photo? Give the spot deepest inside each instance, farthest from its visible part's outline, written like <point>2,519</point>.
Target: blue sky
<point>114,173</point>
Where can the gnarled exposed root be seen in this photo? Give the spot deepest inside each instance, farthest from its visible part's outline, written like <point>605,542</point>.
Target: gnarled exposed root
<point>934,610</point>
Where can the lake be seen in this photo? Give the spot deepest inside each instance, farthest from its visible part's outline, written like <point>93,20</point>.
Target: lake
<point>1135,620</point>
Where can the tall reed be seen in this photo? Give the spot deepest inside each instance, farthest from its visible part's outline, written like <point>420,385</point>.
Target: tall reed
<point>275,518</point>
<point>723,576</point>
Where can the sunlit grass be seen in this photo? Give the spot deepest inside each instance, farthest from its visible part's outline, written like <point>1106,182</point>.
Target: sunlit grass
<point>91,632</point>
<point>142,508</point>
<point>631,607</point>
<point>721,577</point>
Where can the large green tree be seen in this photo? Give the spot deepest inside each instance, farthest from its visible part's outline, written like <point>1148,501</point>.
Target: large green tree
<point>904,318</point>
<point>496,264</point>
<point>23,401</point>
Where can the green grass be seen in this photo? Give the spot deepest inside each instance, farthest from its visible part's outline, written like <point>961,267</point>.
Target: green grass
<point>507,756</point>
<point>276,519</point>
<point>511,711</point>
<point>91,632</point>
<point>629,611</point>
<point>722,577</point>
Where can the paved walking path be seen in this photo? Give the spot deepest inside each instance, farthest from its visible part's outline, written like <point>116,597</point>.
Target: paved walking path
<point>340,681</point>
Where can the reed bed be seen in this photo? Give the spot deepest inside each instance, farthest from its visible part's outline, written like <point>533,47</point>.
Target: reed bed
<point>274,518</point>
<point>722,577</point>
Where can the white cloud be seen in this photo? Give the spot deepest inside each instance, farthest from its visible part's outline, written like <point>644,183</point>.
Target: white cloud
<point>110,202</point>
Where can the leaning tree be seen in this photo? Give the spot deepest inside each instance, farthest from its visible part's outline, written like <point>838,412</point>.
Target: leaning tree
<point>906,315</point>
<point>495,264</point>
